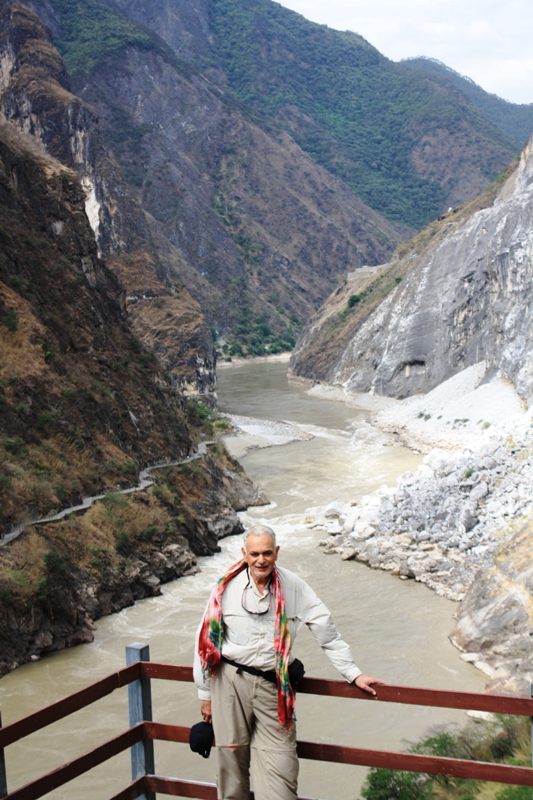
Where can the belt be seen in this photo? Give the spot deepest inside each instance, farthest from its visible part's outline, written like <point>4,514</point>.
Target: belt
<point>268,675</point>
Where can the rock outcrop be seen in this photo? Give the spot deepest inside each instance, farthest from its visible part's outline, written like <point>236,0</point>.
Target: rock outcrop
<point>495,620</point>
<point>36,97</point>
<point>461,525</point>
<point>123,549</point>
<point>464,298</point>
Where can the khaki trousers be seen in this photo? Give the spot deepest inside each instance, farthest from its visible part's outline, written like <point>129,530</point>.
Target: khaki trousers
<point>245,721</point>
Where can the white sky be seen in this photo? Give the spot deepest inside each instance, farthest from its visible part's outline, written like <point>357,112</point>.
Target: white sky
<point>490,41</point>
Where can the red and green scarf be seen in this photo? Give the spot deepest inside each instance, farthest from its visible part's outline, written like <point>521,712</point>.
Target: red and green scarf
<point>212,635</point>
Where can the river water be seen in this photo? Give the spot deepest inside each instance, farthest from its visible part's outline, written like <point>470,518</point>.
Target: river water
<point>397,629</point>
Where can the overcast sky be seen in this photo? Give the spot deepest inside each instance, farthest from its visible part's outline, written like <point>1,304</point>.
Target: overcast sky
<point>490,41</point>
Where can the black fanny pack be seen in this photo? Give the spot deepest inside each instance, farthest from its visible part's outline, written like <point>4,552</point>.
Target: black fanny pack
<point>296,672</point>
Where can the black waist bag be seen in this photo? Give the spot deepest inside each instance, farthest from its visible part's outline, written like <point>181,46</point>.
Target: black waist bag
<point>296,673</point>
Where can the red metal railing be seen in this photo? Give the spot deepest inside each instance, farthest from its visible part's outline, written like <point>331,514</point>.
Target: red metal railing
<point>137,676</point>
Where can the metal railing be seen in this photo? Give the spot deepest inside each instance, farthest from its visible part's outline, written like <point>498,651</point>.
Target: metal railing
<point>143,731</point>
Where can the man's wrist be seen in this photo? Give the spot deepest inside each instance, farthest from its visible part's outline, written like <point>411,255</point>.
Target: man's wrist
<point>352,673</point>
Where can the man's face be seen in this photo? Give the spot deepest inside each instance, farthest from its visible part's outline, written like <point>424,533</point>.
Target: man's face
<point>260,555</point>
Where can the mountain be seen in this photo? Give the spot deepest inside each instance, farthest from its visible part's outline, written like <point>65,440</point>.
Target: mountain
<point>256,231</point>
<point>457,294</point>
<point>406,143</point>
<point>84,404</point>
<point>265,150</point>
<point>515,121</point>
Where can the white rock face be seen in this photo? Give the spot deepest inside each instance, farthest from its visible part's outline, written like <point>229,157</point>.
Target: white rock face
<point>462,524</point>
<point>468,300</point>
<point>445,522</point>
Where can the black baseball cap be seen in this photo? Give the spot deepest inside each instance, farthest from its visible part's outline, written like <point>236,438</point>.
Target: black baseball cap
<point>201,738</point>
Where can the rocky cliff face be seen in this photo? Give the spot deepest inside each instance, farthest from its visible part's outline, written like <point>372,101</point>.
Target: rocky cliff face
<point>254,229</point>
<point>57,579</point>
<point>83,402</point>
<point>495,620</point>
<point>464,299</point>
<point>35,96</point>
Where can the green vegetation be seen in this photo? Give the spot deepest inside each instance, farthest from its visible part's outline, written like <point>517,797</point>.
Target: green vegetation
<point>92,32</point>
<point>506,741</point>
<point>254,336</point>
<point>515,121</point>
<point>350,108</point>
<point>10,320</point>
<point>205,418</point>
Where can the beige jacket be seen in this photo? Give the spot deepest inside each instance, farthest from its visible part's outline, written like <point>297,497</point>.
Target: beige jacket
<point>249,637</point>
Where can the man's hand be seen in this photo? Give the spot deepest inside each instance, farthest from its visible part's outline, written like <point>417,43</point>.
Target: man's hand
<point>205,711</point>
<point>365,682</point>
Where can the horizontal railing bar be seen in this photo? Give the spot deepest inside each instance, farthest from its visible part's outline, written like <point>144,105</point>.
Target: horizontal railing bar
<point>454,767</point>
<point>76,767</point>
<point>501,704</point>
<point>167,733</point>
<point>438,698</point>
<point>134,790</point>
<point>182,788</point>
<point>167,672</point>
<point>434,765</point>
<point>68,705</point>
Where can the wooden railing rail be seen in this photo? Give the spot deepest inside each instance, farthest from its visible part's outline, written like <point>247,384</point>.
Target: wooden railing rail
<point>68,705</point>
<point>78,766</point>
<point>143,731</point>
<point>439,698</point>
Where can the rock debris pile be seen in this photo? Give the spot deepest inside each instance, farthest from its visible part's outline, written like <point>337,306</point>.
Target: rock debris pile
<point>445,522</point>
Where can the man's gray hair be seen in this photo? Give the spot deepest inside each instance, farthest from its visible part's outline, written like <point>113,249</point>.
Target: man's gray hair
<point>260,530</point>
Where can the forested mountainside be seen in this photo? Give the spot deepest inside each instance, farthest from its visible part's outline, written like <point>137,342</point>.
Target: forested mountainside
<point>458,294</point>
<point>395,135</point>
<point>245,220</point>
<point>250,139</point>
<point>513,120</point>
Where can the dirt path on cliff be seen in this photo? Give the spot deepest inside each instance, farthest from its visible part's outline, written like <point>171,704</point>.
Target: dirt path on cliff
<point>144,481</point>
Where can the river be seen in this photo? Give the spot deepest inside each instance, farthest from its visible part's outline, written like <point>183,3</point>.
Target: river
<point>397,629</point>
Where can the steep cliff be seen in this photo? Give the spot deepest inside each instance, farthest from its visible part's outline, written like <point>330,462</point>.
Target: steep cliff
<point>407,142</point>
<point>464,299</point>
<point>495,620</point>
<point>83,405</point>
<point>35,95</point>
<point>239,215</point>
<point>83,402</point>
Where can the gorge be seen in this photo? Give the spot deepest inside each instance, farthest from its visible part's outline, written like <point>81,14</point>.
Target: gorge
<point>187,181</point>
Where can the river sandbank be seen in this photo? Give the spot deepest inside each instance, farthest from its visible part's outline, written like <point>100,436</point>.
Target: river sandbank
<point>250,433</point>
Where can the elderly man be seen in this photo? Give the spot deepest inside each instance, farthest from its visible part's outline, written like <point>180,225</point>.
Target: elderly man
<point>241,668</point>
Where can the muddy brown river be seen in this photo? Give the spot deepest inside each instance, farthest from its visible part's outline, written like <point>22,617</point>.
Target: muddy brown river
<point>397,629</point>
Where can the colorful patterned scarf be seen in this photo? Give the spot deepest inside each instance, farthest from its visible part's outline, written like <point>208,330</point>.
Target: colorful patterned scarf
<point>212,635</point>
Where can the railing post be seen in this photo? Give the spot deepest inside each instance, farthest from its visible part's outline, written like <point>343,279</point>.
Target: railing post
<point>3,774</point>
<point>140,709</point>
